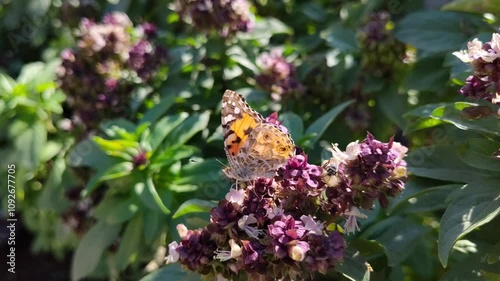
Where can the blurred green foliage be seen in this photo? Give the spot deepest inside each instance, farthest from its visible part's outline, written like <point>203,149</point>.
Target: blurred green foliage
<point>112,199</point>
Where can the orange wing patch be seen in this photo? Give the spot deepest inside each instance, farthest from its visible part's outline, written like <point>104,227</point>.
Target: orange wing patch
<point>241,129</point>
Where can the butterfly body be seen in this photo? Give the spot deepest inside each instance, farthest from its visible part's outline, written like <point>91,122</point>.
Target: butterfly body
<point>253,147</point>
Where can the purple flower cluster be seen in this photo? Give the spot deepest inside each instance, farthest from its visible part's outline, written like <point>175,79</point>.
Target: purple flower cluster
<point>226,17</point>
<point>111,58</point>
<point>382,54</point>
<point>301,185</point>
<point>367,171</point>
<point>277,76</point>
<point>253,234</point>
<point>485,60</point>
<point>284,228</point>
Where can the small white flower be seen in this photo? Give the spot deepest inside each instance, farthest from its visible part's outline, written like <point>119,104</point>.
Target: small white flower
<point>224,255</point>
<point>496,99</point>
<point>352,150</point>
<point>351,224</point>
<point>474,51</point>
<point>463,55</point>
<point>173,256</point>
<point>236,196</point>
<point>182,230</point>
<point>311,225</point>
<point>337,155</point>
<point>244,224</point>
<point>475,48</point>
<point>495,46</point>
<point>495,42</point>
<point>400,150</point>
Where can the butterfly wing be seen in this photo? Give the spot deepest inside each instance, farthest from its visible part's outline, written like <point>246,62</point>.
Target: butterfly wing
<point>253,147</point>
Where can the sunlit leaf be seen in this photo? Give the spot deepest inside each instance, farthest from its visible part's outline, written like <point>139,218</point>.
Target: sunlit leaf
<point>116,171</point>
<point>475,204</point>
<point>130,243</point>
<point>319,126</point>
<point>194,206</point>
<point>353,266</point>
<point>149,195</point>
<point>91,248</point>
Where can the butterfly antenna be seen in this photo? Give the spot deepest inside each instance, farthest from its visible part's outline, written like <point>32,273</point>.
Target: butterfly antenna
<point>220,162</point>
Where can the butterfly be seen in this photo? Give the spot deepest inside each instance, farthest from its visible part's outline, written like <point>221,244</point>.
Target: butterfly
<point>253,147</point>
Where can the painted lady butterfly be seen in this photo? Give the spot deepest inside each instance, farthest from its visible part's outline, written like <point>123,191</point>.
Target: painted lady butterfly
<point>253,147</point>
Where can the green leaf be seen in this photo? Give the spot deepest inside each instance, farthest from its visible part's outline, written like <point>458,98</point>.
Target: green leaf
<point>194,206</point>
<point>427,200</point>
<point>32,71</point>
<point>427,74</point>
<point>294,124</point>
<point>171,155</point>
<point>479,154</point>
<point>113,146</point>
<point>29,140</point>
<point>422,123</point>
<point>452,113</point>
<point>399,247</point>
<point>370,249</point>
<point>130,243</point>
<point>87,154</point>
<point>238,55</point>
<point>153,223</point>
<point>6,84</point>
<point>341,38</point>
<point>353,266</point>
<point>200,172</point>
<point>264,29</point>
<point>319,126</point>
<point>159,109</point>
<point>424,110</point>
<point>172,272</point>
<point>163,127</point>
<point>116,171</point>
<point>478,6</point>
<point>442,162</point>
<point>393,104</point>
<point>475,204</point>
<point>149,195</point>
<point>314,11</point>
<point>50,150</point>
<point>473,267</point>
<point>115,210</point>
<point>112,127</point>
<point>187,129</point>
<point>434,31</point>
<point>52,197</point>
<point>91,248</point>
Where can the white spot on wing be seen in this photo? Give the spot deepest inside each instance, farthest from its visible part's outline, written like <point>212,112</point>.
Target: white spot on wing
<point>228,118</point>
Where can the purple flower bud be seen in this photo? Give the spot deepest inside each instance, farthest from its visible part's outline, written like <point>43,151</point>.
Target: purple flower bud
<point>140,159</point>
<point>325,251</point>
<point>92,74</point>
<point>224,17</point>
<point>196,250</point>
<point>277,75</point>
<point>149,30</point>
